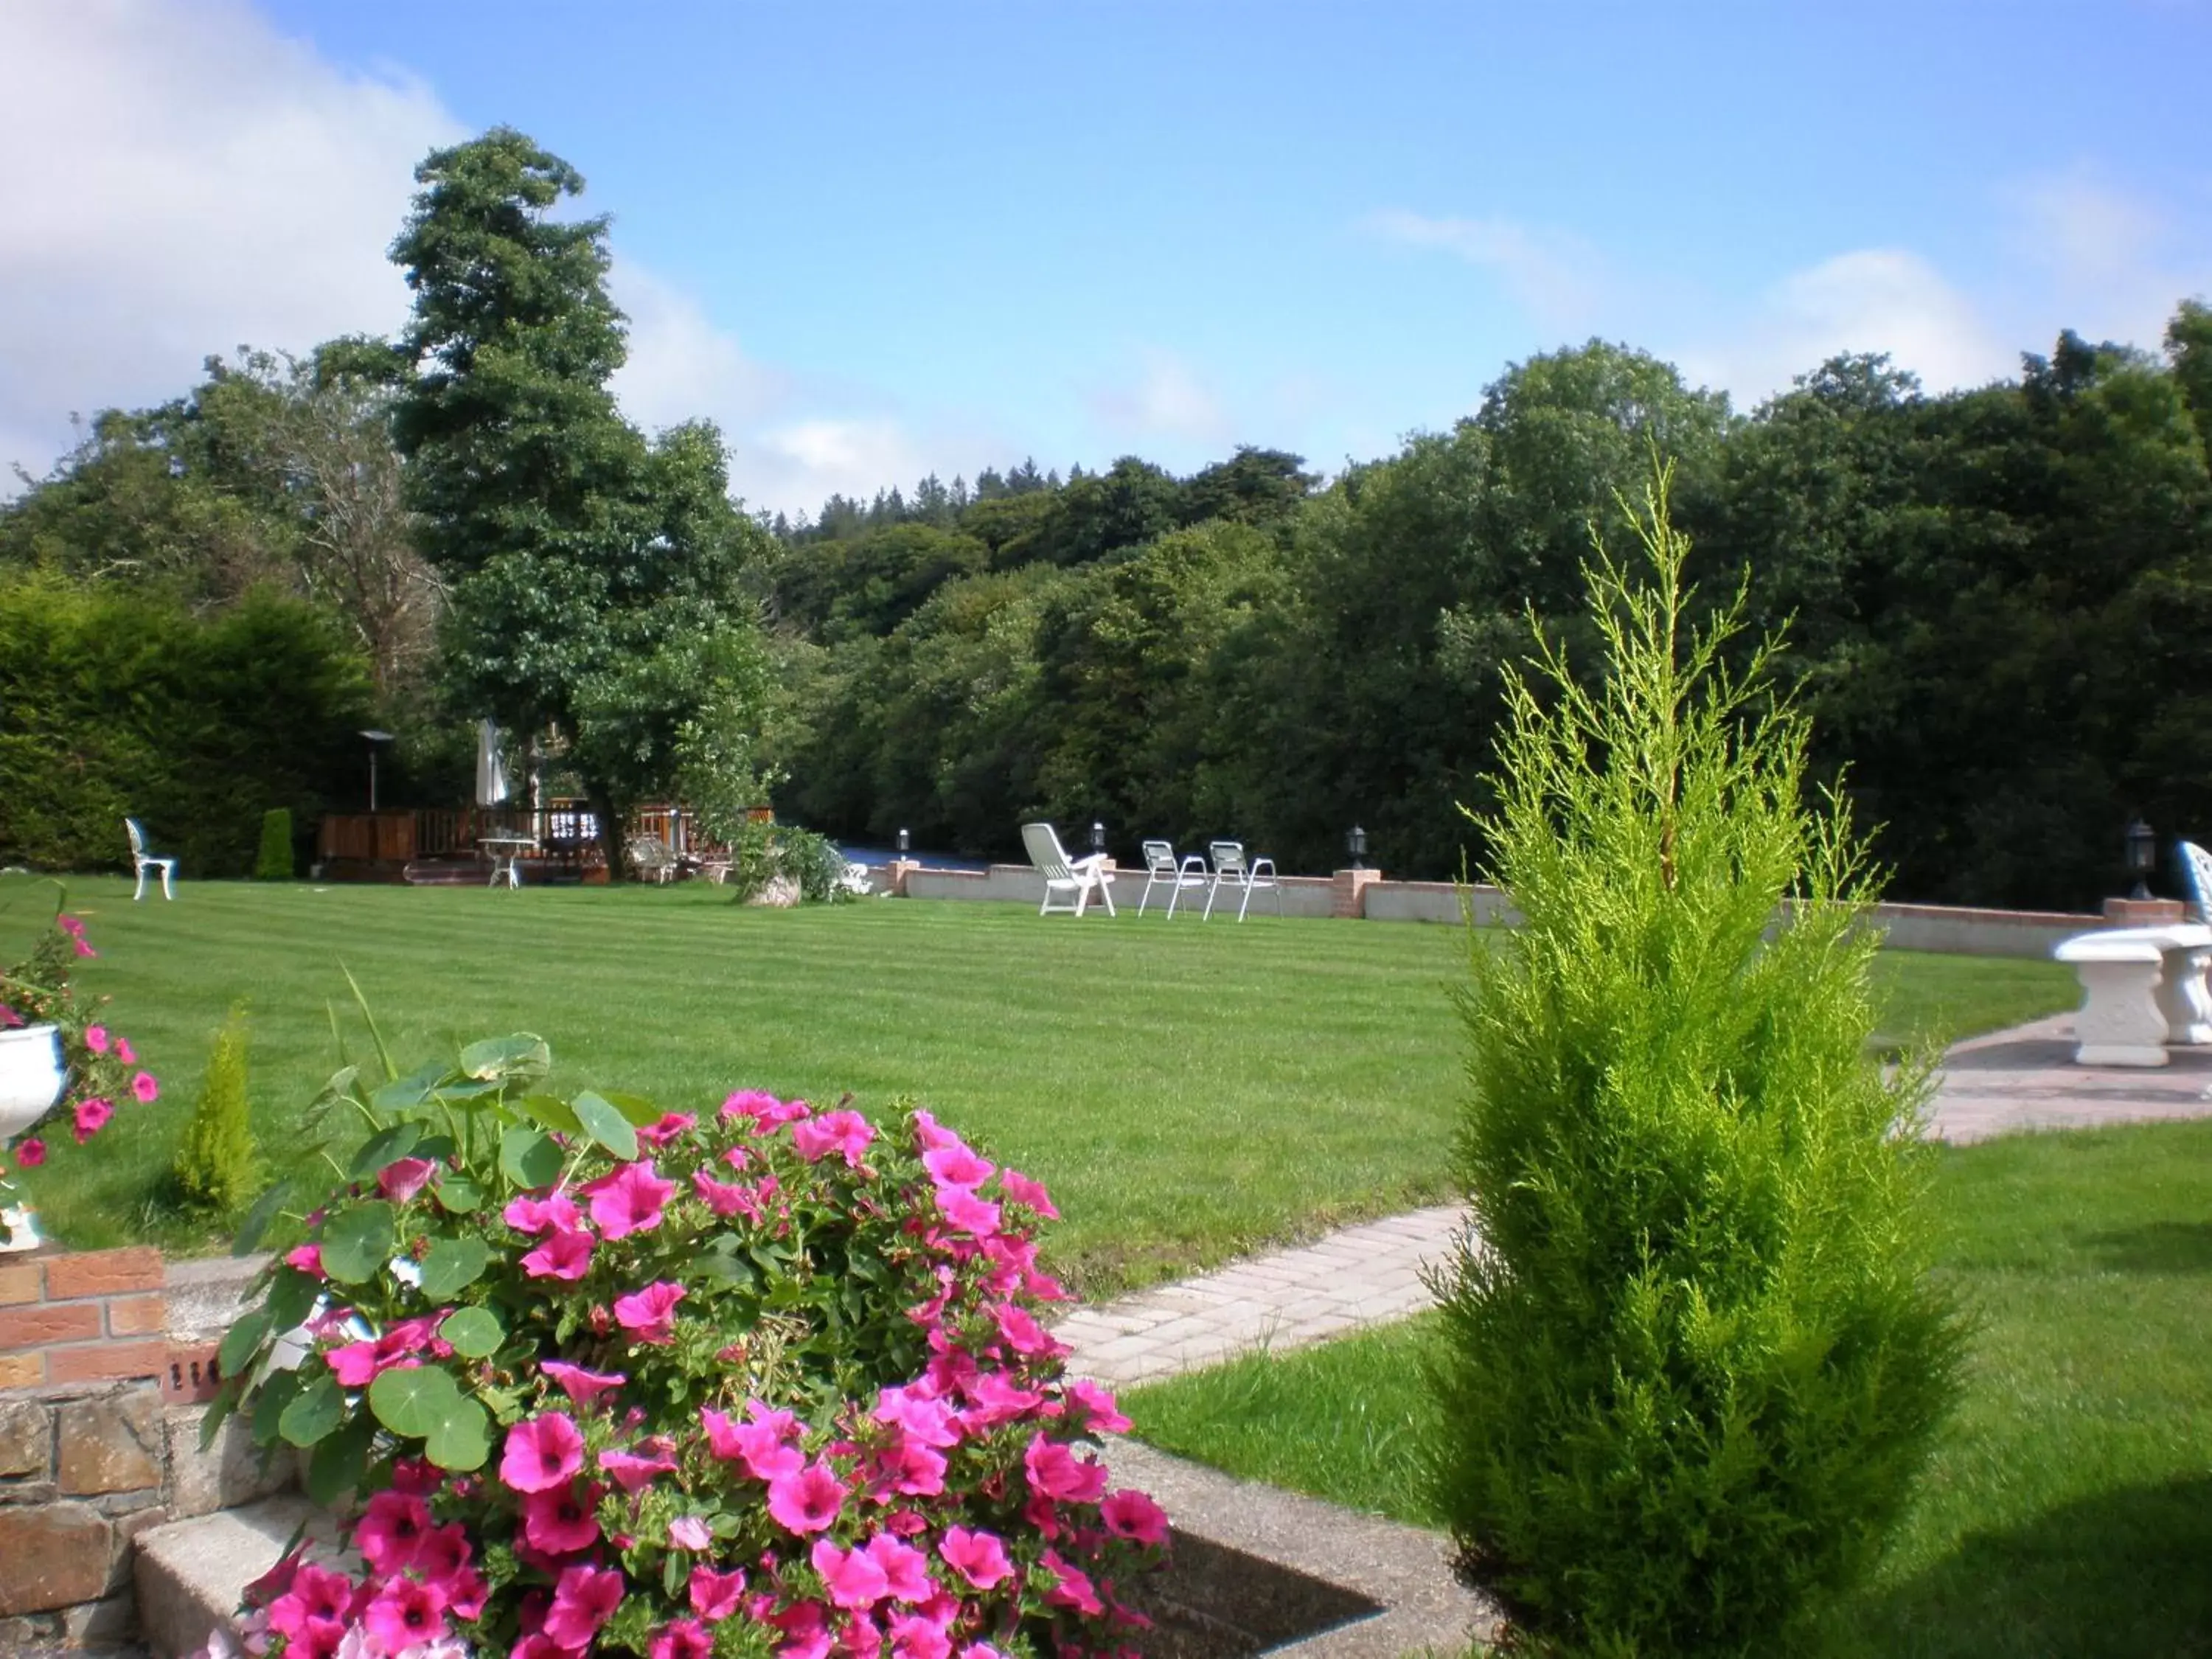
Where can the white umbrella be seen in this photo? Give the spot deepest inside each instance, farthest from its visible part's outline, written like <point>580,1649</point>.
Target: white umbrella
<point>491,772</point>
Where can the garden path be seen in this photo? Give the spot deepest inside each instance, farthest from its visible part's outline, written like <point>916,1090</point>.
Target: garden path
<point>2015,1080</point>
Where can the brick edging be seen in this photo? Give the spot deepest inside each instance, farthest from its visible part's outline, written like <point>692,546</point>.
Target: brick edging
<point>93,1315</point>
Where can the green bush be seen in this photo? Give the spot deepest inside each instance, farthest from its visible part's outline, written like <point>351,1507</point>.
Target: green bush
<point>762,853</point>
<point>215,1164</point>
<point>1694,1359</point>
<point>274,861</point>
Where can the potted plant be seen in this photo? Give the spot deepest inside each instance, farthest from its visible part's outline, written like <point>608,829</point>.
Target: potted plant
<point>56,1060</point>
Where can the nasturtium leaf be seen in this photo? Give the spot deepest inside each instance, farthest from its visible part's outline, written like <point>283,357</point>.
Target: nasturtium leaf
<point>358,1242</point>
<point>521,1056</point>
<point>636,1108</point>
<point>340,1462</point>
<point>529,1158</point>
<point>462,1440</point>
<point>291,1298</point>
<point>452,1265</point>
<point>436,1148</point>
<point>405,1092</point>
<point>316,1411</point>
<point>275,1394</point>
<point>242,1341</point>
<point>258,1217</point>
<point>415,1400</point>
<point>474,1333</point>
<point>552,1111</point>
<point>458,1195</point>
<point>384,1148</point>
<point>605,1124</point>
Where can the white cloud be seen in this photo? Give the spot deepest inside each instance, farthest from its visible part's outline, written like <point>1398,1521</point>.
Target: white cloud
<point>181,180</point>
<point>1881,300</point>
<point>1168,400</point>
<point>681,366</point>
<point>2116,264</point>
<point>1553,275</point>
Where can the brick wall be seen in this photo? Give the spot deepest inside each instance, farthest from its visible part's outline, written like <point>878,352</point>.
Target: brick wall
<point>96,1317</point>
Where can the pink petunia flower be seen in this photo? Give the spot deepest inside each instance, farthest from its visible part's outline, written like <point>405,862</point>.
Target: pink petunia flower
<point>905,1569</point>
<point>1056,1472</point>
<point>535,1215</point>
<point>92,1116</point>
<point>405,1615</point>
<point>581,1385</point>
<point>978,1557</point>
<point>930,1421</point>
<point>558,1521</point>
<point>763,1445</point>
<point>1074,1589</point>
<point>966,1212</point>
<point>1131,1514</point>
<point>31,1152</point>
<point>565,1254</point>
<point>403,1178</point>
<point>681,1639</point>
<point>808,1499</point>
<point>123,1053</point>
<point>1098,1412</point>
<point>307,1258</point>
<point>910,1468</point>
<point>689,1532</point>
<point>143,1089</point>
<point>672,1124</point>
<point>957,1166</point>
<point>584,1598</point>
<point>716,1595</point>
<point>1023,1335</point>
<point>1018,1188</point>
<point>629,1200</point>
<point>805,1628</point>
<point>542,1452</point>
<point>391,1531</point>
<point>932,1135</point>
<point>725,1198</point>
<point>846,1133</point>
<point>854,1578</point>
<point>649,1315</point>
<point>914,1637</point>
<point>95,1038</point>
<point>633,1473</point>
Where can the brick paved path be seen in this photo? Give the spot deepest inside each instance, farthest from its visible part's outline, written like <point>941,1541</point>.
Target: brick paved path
<point>2022,1078</point>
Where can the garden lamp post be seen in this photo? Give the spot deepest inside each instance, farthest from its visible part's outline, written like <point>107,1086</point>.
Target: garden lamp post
<point>375,739</point>
<point>1356,844</point>
<point>2142,856</point>
<point>1098,836</point>
<point>906,842</point>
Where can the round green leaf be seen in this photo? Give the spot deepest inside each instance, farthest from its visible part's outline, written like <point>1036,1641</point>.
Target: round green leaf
<point>358,1242</point>
<point>458,1195</point>
<point>384,1148</point>
<point>474,1333</point>
<point>242,1341</point>
<point>291,1298</point>
<point>529,1157</point>
<point>519,1056</point>
<point>452,1265</point>
<point>605,1124</point>
<point>415,1400</point>
<point>461,1440</point>
<point>316,1411</point>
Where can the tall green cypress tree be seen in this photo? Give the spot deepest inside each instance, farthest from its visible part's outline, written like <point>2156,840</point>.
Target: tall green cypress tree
<point>1694,1356</point>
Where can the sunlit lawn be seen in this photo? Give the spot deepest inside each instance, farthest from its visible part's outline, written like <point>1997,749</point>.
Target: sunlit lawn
<point>2069,1510</point>
<point>1188,1090</point>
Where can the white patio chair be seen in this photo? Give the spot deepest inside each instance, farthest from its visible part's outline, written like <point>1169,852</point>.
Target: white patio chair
<point>1232,869</point>
<point>1072,880</point>
<point>141,861</point>
<point>2196,871</point>
<point>653,858</point>
<point>1161,869</point>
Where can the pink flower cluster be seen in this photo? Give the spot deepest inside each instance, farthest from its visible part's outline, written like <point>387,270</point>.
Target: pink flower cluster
<point>953,1508</point>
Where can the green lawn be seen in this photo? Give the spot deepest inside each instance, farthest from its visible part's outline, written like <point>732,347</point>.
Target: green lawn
<point>1188,1090</point>
<point>2069,1510</point>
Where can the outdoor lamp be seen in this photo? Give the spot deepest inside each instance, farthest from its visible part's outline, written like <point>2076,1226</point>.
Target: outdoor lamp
<point>906,842</point>
<point>1356,844</point>
<point>2142,856</point>
<point>1098,836</point>
<point>375,738</point>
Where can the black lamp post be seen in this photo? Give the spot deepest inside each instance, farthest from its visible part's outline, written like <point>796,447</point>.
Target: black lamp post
<point>375,738</point>
<point>2142,856</point>
<point>1098,836</point>
<point>906,843</point>
<point>1356,844</point>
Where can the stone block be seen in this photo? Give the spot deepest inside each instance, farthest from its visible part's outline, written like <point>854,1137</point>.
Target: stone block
<point>27,1438</point>
<point>138,1316</point>
<point>19,1284</point>
<point>229,1472</point>
<point>53,1556</point>
<point>109,1445</point>
<point>103,1273</point>
<point>37,1327</point>
<point>97,1361</point>
<point>27,1491</point>
<point>100,1624</point>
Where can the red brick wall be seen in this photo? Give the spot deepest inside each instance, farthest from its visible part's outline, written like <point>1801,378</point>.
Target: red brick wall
<point>96,1316</point>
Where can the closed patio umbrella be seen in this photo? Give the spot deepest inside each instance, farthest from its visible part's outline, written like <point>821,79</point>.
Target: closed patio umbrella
<point>491,771</point>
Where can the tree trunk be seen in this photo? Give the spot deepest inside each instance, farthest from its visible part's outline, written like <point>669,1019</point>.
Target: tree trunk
<point>609,819</point>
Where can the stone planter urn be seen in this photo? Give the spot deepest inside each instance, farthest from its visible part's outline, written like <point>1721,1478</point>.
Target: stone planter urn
<point>31,1081</point>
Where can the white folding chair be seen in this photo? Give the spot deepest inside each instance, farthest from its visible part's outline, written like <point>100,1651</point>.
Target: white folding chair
<point>1161,869</point>
<point>1232,869</point>
<point>1072,880</point>
<point>141,861</point>
<point>2196,869</point>
<point>653,858</point>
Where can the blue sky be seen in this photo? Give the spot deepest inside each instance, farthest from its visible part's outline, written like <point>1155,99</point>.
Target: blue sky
<point>874,240</point>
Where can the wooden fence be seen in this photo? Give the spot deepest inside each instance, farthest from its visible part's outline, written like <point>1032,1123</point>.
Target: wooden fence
<point>384,845</point>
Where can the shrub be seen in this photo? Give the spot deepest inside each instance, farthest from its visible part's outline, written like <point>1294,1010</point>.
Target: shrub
<point>274,861</point>
<point>762,853</point>
<point>1694,1359</point>
<point>215,1166</point>
<point>630,1381</point>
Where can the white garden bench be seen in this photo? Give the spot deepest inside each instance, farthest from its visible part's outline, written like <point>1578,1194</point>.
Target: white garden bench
<point>2141,988</point>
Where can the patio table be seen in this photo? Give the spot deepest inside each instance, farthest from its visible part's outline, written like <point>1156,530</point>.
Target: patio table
<point>507,853</point>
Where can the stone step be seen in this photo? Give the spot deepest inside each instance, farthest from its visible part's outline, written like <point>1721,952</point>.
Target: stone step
<point>190,1573</point>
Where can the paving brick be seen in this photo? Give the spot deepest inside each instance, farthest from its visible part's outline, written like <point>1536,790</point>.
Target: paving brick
<point>103,1273</point>
<point>95,1362</point>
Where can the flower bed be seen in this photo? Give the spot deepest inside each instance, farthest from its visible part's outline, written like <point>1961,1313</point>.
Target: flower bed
<point>608,1379</point>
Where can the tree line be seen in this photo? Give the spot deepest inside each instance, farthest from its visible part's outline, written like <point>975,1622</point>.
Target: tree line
<point>1999,600</point>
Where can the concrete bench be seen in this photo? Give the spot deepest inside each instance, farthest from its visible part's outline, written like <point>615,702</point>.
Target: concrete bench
<point>2141,988</point>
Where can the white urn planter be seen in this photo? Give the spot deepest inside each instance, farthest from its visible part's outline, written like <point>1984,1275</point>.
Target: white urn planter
<point>31,1081</point>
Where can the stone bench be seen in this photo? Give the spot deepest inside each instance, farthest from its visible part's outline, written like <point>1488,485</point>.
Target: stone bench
<point>2141,988</point>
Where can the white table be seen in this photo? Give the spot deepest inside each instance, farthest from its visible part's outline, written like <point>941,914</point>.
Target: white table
<point>2141,988</point>
<point>507,853</point>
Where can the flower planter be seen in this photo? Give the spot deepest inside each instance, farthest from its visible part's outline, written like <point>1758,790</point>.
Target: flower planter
<point>31,1079</point>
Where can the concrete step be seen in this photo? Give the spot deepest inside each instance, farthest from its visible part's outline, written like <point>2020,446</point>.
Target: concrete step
<point>190,1573</point>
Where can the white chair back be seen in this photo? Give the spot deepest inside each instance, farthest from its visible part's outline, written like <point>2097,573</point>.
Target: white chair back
<point>1159,858</point>
<point>1076,881</point>
<point>2197,868</point>
<point>138,838</point>
<point>1042,841</point>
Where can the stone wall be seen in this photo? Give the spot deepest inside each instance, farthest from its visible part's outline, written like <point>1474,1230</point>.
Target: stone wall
<point>99,1440</point>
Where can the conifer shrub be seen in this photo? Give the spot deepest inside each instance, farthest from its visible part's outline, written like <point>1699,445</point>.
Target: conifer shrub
<point>215,1164</point>
<point>1694,1357</point>
<point>274,861</point>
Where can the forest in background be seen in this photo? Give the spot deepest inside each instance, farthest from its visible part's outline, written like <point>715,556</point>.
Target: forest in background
<point>1999,605</point>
